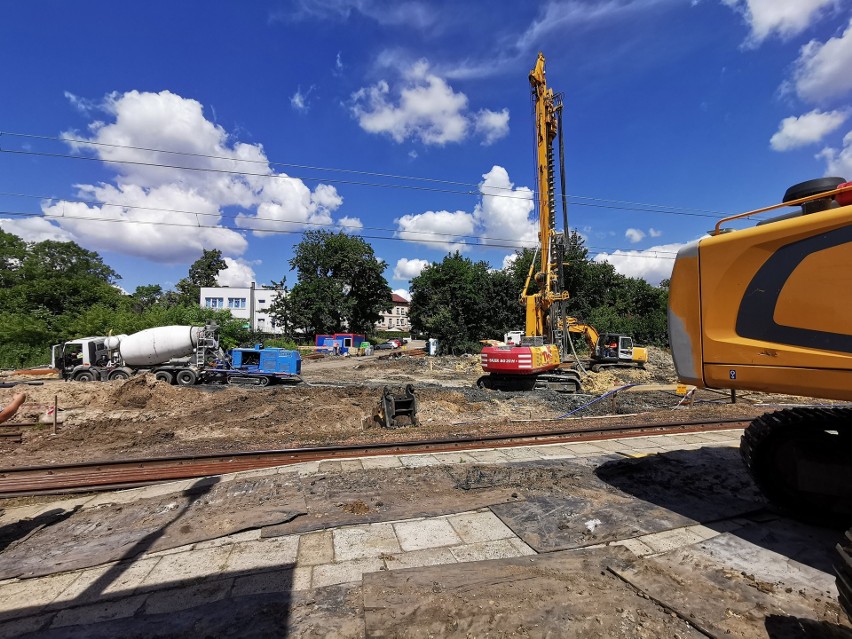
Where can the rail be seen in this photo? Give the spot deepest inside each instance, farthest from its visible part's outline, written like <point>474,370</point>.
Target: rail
<point>109,475</point>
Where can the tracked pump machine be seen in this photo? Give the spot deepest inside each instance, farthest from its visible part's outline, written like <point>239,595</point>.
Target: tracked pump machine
<point>769,308</point>
<point>537,361</point>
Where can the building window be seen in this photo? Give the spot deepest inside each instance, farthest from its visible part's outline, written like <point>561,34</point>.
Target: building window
<point>261,301</point>
<point>214,302</point>
<point>236,302</point>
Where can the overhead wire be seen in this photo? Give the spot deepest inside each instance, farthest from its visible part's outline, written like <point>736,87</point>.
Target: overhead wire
<point>18,214</point>
<point>476,189</point>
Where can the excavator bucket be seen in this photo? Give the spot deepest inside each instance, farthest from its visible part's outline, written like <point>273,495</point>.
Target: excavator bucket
<point>396,411</point>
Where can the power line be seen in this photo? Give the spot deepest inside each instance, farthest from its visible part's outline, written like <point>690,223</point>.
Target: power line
<point>515,246</point>
<point>593,201</point>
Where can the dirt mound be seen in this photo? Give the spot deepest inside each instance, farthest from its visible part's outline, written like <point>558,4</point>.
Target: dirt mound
<point>144,391</point>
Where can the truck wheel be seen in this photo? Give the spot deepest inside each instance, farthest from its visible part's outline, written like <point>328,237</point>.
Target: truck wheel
<point>264,381</point>
<point>164,376</point>
<point>119,374</point>
<point>812,187</point>
<point>84,376</point>
<point>185,378</point>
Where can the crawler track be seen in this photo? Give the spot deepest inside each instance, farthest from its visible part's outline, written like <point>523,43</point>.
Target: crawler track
<point>106,475</point>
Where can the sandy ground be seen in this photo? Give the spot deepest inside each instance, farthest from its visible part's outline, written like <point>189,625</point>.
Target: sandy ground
<point>142,417</point>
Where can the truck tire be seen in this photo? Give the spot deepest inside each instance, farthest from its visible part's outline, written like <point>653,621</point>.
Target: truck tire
<point>164,376</point>
<point>185,378</point>
<point>119,373</point>
<point>812,187</point>
<point>84,376</point>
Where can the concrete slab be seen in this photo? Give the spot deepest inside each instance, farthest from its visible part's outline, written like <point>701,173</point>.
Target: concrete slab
<point>426,533</point>
<point>345,571</point>
<point>246,535</point>
<point>28,596</point>
<point>188,565</point>
<point>415,558</point>
<point>279,552</point>
<point>488,456</point>
<point>670,539</point>
<point>369,463</point>
<point>316,548</point>
<point>185,598</point>
<point>116,579</point>
<point>481,526</point>
<point>358,542</point>
<point>454,458</point>
<point>99,612</point>
<point>351,465</point>
<point>418,461</point>
<point>485,550</point>
<point>274,581</point>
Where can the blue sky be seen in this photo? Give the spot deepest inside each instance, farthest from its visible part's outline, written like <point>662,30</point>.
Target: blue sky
<point>407,122</point>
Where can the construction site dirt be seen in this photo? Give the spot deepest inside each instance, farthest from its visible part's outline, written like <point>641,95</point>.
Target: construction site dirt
<point>582,541</point>
<point>142,417</point>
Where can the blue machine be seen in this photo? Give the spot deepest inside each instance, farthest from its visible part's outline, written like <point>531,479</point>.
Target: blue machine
<point>263,366</point>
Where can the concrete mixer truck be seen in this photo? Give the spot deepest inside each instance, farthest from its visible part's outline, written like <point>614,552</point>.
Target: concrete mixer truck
<point>182,355</point>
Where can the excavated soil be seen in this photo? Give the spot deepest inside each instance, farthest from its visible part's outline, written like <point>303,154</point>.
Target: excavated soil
<point>142,417</point>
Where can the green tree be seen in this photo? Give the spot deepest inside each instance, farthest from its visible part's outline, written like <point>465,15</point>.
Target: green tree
<point>450,301</point>
<point>202,272</point>
<point>339,285</point>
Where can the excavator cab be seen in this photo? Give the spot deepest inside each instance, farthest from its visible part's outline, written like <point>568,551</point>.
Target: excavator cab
<point>614,349</point>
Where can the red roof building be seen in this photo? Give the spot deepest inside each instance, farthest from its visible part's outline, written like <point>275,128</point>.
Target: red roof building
<point>395,319</point>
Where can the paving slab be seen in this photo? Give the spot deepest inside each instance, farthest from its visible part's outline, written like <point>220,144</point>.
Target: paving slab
<point>427,533</point>
<point>480,526</point>
<point>359,542</point>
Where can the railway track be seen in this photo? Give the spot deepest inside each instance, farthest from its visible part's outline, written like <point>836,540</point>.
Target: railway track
<point>111,475</point>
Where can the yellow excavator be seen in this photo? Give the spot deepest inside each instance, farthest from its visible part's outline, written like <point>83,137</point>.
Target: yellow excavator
<point>609,350</point>
<point>768,308</point>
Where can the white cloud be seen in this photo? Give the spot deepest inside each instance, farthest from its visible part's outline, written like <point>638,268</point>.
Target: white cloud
<point>436,229</point>
<point>786,18</point>
<point>822,69</point>
<point>503,214</point>
<point>238,273</point>
<point>565,15</point>
<point>407,269</point>
<point>398,14</point>
<point>508,260</point>
<point>350,224</point>
<point>806,129</point>
<point>492,125</point>
<point>35,229</point>
<point>839,161</point>
<point>501,217</point>
<point>634,235</point>
<point>159,207</point>
<point>83,105</point>
<point>425,108</point>
<point>654,232</point>
<point>300,101</point>
<point>653,264</point>
<point>403,292</point>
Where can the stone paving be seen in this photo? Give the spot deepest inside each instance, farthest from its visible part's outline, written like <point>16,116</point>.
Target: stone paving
<point>245,563</point>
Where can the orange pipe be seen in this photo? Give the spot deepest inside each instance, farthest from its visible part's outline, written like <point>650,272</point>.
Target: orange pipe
<point>13,407</point>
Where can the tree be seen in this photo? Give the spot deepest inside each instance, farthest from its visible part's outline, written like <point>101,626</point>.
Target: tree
<point>339,285</point>
<point>450,301</point>
<point>202,272</point>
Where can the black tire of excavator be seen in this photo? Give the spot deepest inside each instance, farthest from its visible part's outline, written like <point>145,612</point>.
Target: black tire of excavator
<point>812,187</point>
<point>843,570</point>
<point>769,447</point>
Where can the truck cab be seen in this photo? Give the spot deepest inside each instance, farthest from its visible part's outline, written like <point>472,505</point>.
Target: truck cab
<point>77,356</point>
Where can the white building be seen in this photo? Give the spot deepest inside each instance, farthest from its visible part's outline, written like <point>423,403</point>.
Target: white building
<point>250,303</point>
<point>395,319</point>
